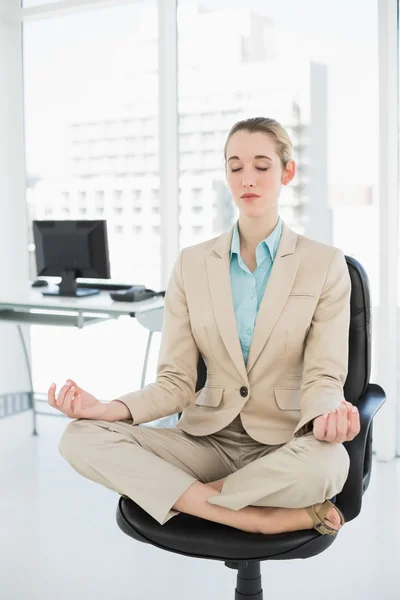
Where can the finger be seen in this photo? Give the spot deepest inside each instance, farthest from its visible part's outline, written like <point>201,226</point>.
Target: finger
<point>61,395</point>
<point>67,406</point>
<point>342,424</point>
<point>319,428</point>
<point>51,395</point>
<point>72,382</point>
<point>354,422</point>
<point>349,411</point>
<point>77,405</point>
<point>331,430</point>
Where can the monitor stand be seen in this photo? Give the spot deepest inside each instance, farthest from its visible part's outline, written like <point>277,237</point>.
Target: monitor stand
<point>69,288</point>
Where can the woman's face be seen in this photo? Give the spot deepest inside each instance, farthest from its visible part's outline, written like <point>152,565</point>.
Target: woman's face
<point>255,174</point>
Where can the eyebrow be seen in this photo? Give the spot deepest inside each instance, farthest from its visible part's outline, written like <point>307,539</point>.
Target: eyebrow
<point>257,156</point>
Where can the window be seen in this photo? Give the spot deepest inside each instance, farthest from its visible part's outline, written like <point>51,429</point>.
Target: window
<point>242,71</point>
<point>76,122</point>
<point>79,68</point>
<point>286,60</point>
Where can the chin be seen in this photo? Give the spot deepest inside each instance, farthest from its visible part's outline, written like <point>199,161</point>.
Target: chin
<point>257,210</point>
<point>252,211</point>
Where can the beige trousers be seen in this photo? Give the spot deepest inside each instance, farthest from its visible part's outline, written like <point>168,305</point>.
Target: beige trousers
<point>156,466</point>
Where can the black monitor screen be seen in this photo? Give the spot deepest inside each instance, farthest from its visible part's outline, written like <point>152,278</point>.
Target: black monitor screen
<point>71,249</point>
<point>69,252</point>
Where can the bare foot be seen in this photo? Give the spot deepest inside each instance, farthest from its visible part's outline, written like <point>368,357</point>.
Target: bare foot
<point>332,518</point>
<point>282,520</point>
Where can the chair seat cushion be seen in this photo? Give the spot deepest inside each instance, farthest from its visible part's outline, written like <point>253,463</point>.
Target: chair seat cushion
<point>191,536</point>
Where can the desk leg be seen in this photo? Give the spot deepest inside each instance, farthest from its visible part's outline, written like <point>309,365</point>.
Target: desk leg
<point>146,360</point>
<point>28,366</point>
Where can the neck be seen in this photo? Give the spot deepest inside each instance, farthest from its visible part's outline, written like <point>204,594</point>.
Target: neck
<point>253,231</point>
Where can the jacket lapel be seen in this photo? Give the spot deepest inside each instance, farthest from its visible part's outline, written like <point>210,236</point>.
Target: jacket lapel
<point>218,268</point>
<point>283,274</point>
<point>280,283</point>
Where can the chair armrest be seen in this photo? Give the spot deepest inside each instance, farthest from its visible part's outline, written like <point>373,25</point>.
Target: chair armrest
<point>360,452</point>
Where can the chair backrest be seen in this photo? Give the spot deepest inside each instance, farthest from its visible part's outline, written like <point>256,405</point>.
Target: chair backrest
<point>359,368</point>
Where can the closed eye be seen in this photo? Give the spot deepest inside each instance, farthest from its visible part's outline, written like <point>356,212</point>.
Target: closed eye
<point>258,169</point>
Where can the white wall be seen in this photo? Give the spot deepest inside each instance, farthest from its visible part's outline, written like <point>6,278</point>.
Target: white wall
<point>13,222</point>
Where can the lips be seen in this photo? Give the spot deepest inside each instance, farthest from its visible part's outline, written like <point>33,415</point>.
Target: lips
<point>248,196</point>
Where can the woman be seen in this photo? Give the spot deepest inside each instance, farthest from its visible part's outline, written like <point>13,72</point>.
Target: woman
<point>259,448</point>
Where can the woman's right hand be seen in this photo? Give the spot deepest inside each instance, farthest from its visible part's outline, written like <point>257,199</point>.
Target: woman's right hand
<point>75,402</point>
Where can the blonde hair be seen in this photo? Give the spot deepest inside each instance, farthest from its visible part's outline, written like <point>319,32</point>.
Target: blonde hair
<point>270,127</point>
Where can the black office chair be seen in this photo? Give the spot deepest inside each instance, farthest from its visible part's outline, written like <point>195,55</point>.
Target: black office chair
<point>243,551</point>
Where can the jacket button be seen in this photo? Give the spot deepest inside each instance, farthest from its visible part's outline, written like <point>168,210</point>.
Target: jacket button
<point>244,391</point>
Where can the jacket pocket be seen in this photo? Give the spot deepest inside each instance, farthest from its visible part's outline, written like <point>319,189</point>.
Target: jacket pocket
<point>209,396</point>
<point>302,295</point>
<point>287,398</point>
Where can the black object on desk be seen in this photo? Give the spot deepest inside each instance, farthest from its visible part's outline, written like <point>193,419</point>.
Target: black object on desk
<point>39,283</point>
<point>107,286</point>
<point>135,294</point>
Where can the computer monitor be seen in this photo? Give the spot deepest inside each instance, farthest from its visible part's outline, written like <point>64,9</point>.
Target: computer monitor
<point>71,249</point>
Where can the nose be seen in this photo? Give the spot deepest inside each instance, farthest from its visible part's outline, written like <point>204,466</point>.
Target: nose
<point>247,182</point>
<point>248,177</point>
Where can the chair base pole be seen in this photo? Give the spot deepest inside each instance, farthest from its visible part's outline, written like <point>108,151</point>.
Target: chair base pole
<point>248,581</point>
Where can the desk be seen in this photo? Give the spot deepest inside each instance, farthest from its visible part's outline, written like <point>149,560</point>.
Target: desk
<point>27,306</point>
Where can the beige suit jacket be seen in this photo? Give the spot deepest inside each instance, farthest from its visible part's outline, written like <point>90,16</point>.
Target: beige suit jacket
<point>298,359</point>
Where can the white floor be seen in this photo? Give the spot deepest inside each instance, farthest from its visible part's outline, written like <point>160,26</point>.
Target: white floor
<point>59,539</point>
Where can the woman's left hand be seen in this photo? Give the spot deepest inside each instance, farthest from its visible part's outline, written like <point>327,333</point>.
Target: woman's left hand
<point>340,425</point>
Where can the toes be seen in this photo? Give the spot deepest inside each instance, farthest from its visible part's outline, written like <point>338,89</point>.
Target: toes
<point>333,518</point>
